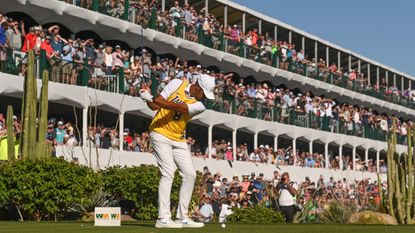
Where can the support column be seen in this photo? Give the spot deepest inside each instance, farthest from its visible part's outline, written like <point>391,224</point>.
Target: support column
<point>327,56</point>
<point>255,140</point>
<point>275,143</point>
<point>310,147</point>
<point>354,158</point>
<point>121,130</point>
<point>276,32</point>
<point>394,80</point>
<point>84,126</point>
<point>234,143</point>
<point>210,139</point>
<point>295,151</point>
<point>206,7</point>
<point>260,26</point>
<point>341,157</point>
<point>290,36</point>
<point>326,155</point>
<point>339,60</point>
<point>316,51</point>
<point>225,16</point>
<point>350,61</point>
<point>303,43</point>
<point>243,22</point>
<point>163,5</point>
<point>377,76</point>
<point>387,77</point>
<point>377,160</point>
<point>359,65</point>
<point>402,84</point>
<point>186,2</point>
<point>368,73</point>
<point>367,157</point>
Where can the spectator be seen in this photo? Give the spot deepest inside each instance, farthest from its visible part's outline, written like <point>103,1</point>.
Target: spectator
<point>287,191</point>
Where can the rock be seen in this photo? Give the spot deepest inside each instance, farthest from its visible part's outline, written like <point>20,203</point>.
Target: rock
<point>371,217</point>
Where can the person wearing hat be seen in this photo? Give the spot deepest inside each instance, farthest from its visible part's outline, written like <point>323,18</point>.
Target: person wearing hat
<point>47,47</point>
<point>60,133</point>
<point>29,40</point>
<point>176,105</point>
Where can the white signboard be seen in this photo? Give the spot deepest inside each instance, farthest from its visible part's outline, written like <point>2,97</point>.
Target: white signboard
<point>107,216</point>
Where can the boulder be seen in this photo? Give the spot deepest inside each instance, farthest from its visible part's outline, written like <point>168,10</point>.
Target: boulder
<point>371,217</point>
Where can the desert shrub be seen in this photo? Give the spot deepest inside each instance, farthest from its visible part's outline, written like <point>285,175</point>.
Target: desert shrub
<point>256,214</point>
<point>46,188</point>
<point>140,185</point>
<point>336,212</point>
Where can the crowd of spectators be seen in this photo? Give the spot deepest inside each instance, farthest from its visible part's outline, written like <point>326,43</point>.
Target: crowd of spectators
<point>67,57</point>
<point>220,195</point>
<point>223,150</point>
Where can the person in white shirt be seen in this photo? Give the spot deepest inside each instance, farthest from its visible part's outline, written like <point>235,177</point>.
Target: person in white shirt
<point>287,192</point>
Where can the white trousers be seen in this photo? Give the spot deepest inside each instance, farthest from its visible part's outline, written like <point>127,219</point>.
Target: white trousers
<point>171,155</point>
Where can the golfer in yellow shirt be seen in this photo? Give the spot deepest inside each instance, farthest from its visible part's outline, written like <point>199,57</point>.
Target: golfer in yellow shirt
<point>176,105</point>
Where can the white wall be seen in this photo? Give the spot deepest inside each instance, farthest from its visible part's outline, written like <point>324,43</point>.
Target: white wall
<point>108,158</point>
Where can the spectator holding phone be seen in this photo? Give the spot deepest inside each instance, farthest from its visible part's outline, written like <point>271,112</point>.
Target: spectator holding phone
<point>287,192</point>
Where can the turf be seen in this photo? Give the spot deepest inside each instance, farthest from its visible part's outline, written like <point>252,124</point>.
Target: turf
<point>74,227</point>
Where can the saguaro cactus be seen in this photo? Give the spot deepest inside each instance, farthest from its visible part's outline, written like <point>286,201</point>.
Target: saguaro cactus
<point>401,192</point>
<point>10,134</point>
<point>33,144</point>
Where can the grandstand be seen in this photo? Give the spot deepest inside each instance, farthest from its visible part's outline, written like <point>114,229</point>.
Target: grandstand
<point>226,39</point>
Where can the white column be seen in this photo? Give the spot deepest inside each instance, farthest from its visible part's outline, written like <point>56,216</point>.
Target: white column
<point>206,7</point>
<point>326,154</point>
<point>163,5</point>
<point>341,157</point>
<point>225,16</point>
<point>387,77</point>
<point>339,61</point>
<point>276,32</point>
<point>377,76</point>
<point>275,143</point>
<point>402,84</point>
<point>255,140</point>
<point>243,22</point>
<point>210,139</point>
<point>84,126</point>
<point>303,43</point>
<point>350,62</point>
<point>368,73</point>
<point>234,143</point>
<point>316,51</point>
<point>260,26</point>
<point>359,66</point>
<point>354,158</point>
<point>271,158</point>
<point>295,150</point>
<point>327,55</point>
<point>310,147</point>
<point>394,80</point>
<point>121,130</point>
<point>290,36</point>
<point>377,160</point>
<point>367,157</point>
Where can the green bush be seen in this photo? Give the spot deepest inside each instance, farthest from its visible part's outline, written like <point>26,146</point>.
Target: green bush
<point>337,212</point>
<point>47,188</point>
<point>256,214</point>
<point>140,185</point>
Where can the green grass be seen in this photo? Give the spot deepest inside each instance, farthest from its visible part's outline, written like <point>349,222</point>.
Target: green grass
<point>74,227</point>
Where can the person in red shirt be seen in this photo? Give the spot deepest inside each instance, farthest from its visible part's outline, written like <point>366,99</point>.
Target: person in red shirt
<point>128,140</point>
<point>254,37</point>
<point>47,47</point>
<point>29,40</point>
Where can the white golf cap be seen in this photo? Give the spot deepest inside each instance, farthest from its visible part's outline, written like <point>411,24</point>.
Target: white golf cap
<point>207,83</point>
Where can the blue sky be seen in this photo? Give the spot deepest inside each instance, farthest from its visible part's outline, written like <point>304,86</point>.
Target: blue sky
<point>381,30</point>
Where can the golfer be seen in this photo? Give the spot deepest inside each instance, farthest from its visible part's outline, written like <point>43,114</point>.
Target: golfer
<point>176,105</point>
